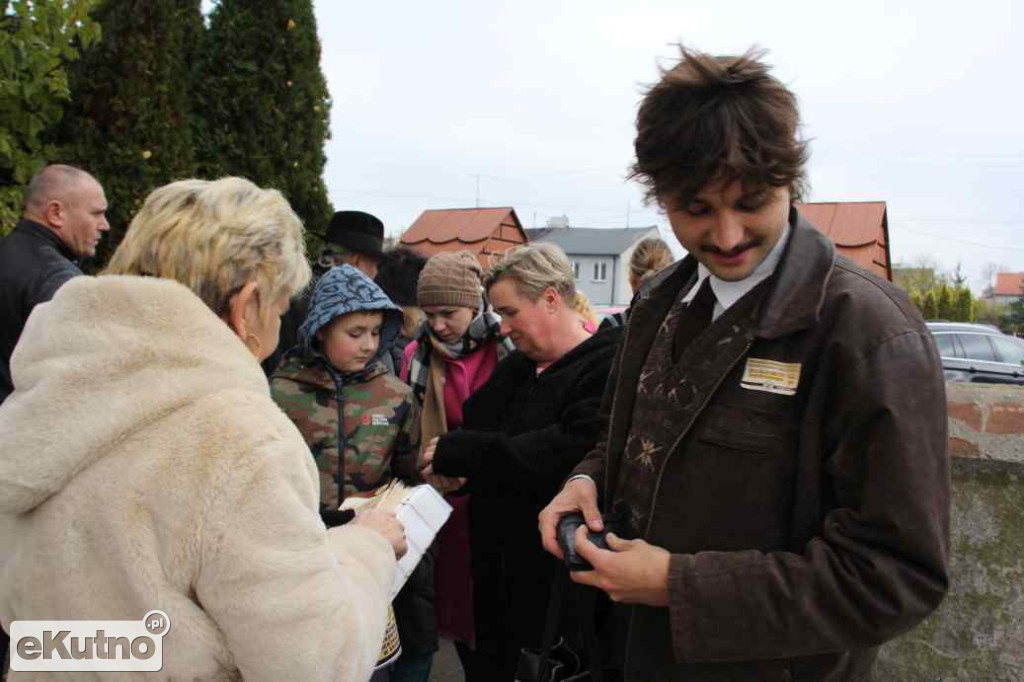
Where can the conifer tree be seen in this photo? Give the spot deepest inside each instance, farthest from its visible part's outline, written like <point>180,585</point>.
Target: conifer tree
<point>265,103</point>
<point>944,303</point>
<point>129,121</point>
<point>1013,321</point>
<point>964,305</point>
<point>917,300</point>
<point>929,309</point>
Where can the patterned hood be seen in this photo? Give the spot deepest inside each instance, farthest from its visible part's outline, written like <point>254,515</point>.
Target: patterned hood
<point>344,289</point>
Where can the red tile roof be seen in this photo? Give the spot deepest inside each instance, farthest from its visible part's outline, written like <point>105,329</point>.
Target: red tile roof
<point>1009,284</point>
<point>484,231</point>
<point>860,231</point>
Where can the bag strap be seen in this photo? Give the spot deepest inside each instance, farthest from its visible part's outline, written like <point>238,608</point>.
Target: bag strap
<point>551,621</point>
<point>587,602</point>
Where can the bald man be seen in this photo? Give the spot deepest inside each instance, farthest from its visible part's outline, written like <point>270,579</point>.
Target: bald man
<point>63,220</point>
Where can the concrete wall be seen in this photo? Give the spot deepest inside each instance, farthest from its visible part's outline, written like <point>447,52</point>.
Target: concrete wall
<point>977,634</point>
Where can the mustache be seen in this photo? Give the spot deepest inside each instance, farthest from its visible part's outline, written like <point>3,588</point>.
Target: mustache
<point>735,251</point>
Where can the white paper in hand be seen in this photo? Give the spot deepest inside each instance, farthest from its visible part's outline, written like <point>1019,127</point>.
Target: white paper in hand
<point>422,513</point>
<point>420,509</point>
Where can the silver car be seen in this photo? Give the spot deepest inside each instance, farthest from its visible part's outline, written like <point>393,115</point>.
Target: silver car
<point>978,352</point>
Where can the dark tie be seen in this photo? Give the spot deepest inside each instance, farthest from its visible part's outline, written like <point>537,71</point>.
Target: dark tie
<point>694,319</point>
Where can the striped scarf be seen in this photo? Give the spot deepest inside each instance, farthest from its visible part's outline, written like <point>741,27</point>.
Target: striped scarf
<point>484,327</point>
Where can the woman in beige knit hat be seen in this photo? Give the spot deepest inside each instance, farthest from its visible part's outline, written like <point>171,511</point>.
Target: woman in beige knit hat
<point>452,356</point>
<point>457,346</point>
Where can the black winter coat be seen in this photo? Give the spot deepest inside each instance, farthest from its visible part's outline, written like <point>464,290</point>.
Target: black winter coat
<point>34,263</point>
<point>522,435</point>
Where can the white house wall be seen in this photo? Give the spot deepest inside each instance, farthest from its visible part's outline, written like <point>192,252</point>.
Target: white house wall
<point>597,292</point>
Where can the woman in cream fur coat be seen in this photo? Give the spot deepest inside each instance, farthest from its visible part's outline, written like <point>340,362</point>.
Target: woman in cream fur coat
<point>144,465</point>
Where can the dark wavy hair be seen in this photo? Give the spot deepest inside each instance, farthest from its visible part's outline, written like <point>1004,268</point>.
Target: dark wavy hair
<point>718,117</point>
<point>398,274</point>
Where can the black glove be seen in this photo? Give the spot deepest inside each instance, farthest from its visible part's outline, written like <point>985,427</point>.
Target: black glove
<point>334,517</point>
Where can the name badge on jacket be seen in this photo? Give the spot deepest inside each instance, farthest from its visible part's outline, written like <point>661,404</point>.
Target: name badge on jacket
<point>771,376</point>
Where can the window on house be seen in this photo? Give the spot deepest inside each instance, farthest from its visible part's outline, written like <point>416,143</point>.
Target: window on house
<point>600,272</point>
<point>576,269</point>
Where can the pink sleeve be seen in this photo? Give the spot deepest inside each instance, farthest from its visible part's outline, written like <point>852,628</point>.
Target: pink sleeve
<point>406,359</point>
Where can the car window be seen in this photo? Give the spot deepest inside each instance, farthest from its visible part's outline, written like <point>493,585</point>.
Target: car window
<point>976,347</point>
<point>946,344</point>
<point>1010,350</point>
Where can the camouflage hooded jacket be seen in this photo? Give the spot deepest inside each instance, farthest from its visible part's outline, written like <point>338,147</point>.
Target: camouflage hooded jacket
<point>376,433</point>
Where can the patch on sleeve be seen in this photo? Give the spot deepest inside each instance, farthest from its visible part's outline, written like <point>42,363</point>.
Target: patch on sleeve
<point>771,376</point>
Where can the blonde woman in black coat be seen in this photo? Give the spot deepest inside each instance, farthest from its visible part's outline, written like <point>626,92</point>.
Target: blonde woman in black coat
<point>524,431</point>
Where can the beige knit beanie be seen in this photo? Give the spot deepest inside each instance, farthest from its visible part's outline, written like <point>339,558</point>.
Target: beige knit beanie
<point>451,278</point>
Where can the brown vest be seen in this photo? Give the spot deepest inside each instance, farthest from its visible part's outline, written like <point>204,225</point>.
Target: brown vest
<point>669,397</point>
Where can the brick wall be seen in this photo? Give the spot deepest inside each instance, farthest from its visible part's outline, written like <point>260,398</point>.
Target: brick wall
<point>986,422</point>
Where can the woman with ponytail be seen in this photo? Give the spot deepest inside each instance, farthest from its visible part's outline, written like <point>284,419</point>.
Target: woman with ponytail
<point>650,255</point>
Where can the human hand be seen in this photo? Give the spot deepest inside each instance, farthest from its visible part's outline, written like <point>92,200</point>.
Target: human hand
<point>388,525</point>
<point>579,494</point>
<point>630,571</point>
<point>443,484</point>
<point>427,457</point>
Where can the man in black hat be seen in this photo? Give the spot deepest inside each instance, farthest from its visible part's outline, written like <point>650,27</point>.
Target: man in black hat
<point>353,237</point>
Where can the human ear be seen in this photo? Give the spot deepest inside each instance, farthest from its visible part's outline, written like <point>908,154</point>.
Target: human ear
<point>243,310</point>
<point>551,298</point>
<point>54,213</point>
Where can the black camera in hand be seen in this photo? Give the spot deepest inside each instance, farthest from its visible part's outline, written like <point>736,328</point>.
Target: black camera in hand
<point>567,526</point>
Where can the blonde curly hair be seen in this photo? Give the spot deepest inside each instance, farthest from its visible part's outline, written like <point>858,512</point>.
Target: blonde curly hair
<point>583,308</point>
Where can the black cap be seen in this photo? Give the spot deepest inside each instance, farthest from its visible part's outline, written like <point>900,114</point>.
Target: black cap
<point>356,231</point>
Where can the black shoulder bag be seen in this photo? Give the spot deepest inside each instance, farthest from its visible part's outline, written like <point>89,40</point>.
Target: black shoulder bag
<point>555,661</point>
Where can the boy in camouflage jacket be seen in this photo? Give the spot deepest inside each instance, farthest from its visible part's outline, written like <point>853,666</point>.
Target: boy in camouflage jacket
<point>336,370</point>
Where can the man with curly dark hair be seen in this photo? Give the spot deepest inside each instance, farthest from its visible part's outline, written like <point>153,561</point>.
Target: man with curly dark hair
<point>774,445</point>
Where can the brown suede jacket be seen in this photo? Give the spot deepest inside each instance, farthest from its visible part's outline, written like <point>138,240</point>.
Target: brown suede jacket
<point>805,529</point>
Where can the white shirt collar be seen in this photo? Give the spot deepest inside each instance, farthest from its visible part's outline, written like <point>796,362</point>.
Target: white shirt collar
<point>727,293</point>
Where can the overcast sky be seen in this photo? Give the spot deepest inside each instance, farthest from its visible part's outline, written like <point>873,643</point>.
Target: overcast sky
<point>534,103</point>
